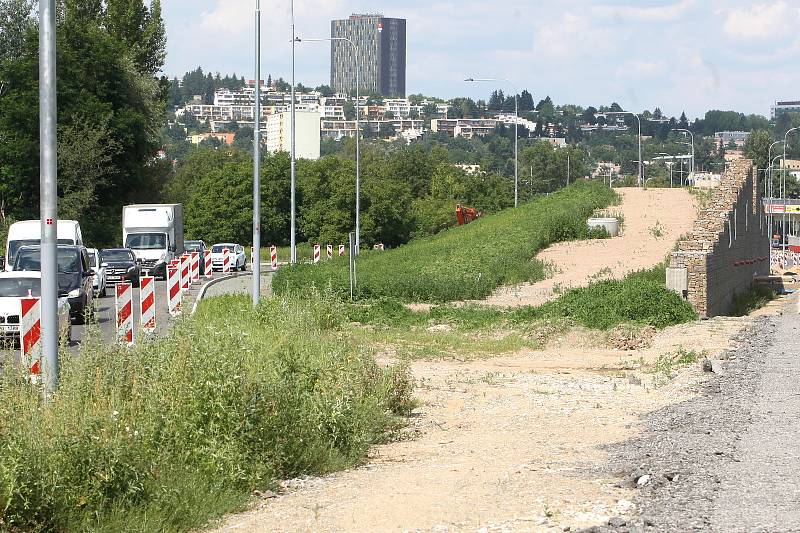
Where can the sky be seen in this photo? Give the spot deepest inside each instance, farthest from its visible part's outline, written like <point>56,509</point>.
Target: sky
<point>679,55</point>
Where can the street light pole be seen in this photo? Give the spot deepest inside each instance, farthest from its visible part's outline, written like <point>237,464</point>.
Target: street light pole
<point>639,122</point>
<point>783,184</point>
<point>358,129</point>
<point>770,159</point>
<point>256,287</point>
<point>516,131</point>
<point>691,135</point>
<point>48,192</point>
<point>292,223</point>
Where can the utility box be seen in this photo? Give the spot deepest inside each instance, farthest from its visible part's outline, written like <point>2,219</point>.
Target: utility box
<point>678,280</point>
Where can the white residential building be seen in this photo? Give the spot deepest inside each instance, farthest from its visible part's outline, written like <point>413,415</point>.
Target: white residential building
<point>398,107</point>
<point>278,134</point>
<point>337,129</point>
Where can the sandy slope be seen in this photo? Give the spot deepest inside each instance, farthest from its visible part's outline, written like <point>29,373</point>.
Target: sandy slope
<point>654,220</point>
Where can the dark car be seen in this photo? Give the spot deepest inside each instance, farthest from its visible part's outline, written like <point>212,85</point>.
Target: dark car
<point>74,276</point>
<point>121,266</point>
<point>197,246</point>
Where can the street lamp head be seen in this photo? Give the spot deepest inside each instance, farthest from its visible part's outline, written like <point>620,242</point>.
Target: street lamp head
<point>469,79</point>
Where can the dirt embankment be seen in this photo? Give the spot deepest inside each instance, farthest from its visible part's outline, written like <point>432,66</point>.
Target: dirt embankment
<point>654,220</point>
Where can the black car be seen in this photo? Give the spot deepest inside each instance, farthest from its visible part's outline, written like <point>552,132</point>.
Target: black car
<point>197,246</point>
<point>74,276</point>
<point>121,266</point>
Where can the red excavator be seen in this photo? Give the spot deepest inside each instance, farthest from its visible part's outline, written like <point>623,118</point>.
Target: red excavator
<point>465,215</point>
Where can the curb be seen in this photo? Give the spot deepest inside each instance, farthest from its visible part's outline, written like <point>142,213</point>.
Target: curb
<point>201,294</point>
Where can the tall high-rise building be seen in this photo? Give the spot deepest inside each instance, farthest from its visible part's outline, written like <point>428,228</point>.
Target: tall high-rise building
<point>380,55</point>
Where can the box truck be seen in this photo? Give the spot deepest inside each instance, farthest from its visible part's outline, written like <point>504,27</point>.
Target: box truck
<point>29,233</point>
<point>155,234</point>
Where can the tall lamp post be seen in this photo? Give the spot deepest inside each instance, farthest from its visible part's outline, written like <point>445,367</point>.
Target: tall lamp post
<point>292,222</point>
<point>691,135</point>
<point>771,218</point>
<point>256,287</point>
<point>783,183</point>
<point>48,192</point>
<point>358,128</point>
<point>516,124</point>
<point>639,123</point>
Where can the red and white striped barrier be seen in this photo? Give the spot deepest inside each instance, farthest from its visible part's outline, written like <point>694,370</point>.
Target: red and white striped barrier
<point>147,303</point>
<point>226,261</point>
<point>329,249</point>
<point>273,256</point>
<point>174,290</point>
<point>30,334</point>
<point>209,266</point>
<point>185,272</point>
<point>195,266</point>
<point>316,253</point>
<point>124,313</point>
<point>341,250</point>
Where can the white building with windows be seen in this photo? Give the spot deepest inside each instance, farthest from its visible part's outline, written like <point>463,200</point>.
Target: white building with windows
<point>278,133</point>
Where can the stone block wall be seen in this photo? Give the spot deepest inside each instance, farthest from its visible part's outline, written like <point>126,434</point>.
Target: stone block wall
<point>728,245</point>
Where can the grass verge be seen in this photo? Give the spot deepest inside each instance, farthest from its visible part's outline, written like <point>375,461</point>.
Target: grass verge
<point>466,262</point>
<point>166,435</point>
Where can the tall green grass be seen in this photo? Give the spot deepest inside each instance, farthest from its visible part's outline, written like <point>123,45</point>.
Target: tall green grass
<point>467,262</point>
<point>174,431</point>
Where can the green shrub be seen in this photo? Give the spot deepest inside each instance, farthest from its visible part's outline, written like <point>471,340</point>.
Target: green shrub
<point>465,262</point>
<point>640,298</point>
<point>164,435</point>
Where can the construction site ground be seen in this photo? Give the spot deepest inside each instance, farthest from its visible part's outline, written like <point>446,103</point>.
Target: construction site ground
<point>520,442</point>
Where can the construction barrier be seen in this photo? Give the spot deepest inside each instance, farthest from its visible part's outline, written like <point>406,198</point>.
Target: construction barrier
<point>341,250</point>
<point>273,255</point>
<point>316,253</point>
<point>30,335</point>
<point>174,290</point>
<point>147,303</point>
<point>124,313</point>
<point>329,249</point>
<point>195,266</point>
<point>185,276</point>
<point>209,266</point>
<point>226,261</point>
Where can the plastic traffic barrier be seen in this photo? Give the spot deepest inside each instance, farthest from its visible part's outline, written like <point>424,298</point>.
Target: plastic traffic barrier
<point>226,261</point>
<point>174,290</point>
<point>124,306</point>
<point>341,250</point>
<point>147,303</point>
<point>195,266</point>
<point>316,253</point>
<point>273,255</point>
<point>30,336</point>
<point>209,269</point>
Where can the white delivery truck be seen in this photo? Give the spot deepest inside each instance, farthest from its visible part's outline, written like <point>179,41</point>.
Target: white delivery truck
<point>155,234</point>
<point>29,233</point>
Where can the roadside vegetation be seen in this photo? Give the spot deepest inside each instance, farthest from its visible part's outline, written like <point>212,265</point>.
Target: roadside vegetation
<point>166,435</point>
<point>747,302</point>
<point>462,263</point>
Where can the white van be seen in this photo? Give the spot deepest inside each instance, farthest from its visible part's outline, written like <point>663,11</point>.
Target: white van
<point>29,232</point>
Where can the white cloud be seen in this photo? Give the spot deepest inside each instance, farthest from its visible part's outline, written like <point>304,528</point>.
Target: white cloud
<point>642,68</point>
<point>761,21</point>
<point>665,13</point>
<point>573,36</point>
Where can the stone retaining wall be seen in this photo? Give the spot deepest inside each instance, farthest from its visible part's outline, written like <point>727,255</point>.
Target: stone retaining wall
<point>727,247</point>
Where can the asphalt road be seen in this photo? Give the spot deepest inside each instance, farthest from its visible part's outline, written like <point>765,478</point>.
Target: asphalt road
<point>728,459</point>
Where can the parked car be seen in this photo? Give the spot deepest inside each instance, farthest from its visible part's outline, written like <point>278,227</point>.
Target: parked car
<point>236,253</point>
<point>16,285</point>
<point>200,247</point>
<point>121,266</point>
<point>74,276</point>
<point>99,282</point>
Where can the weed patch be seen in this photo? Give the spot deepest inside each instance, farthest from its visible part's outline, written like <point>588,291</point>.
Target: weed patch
<point>462,263</point>
<point>747,302</point>
<point>163,436</point>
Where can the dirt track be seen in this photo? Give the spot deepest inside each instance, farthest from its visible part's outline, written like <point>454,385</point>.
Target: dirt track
<point>654,220</point>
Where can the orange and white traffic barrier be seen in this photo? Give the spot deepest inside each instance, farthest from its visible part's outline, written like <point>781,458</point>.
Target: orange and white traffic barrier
<point>316,253</point>
<point>226,261</point>
<point>195,266</point>
<point>174,290</point>
<point>185,275</point>
<point>341,250</point>
<point>147,303</point>
<point>273,255</point>
<point>209,266</point>
<point>124,313</point>
<point>30,335</point>
<point>329,249</point>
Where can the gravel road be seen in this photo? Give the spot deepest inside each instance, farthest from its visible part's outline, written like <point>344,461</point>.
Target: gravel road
<point>728,459</point>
